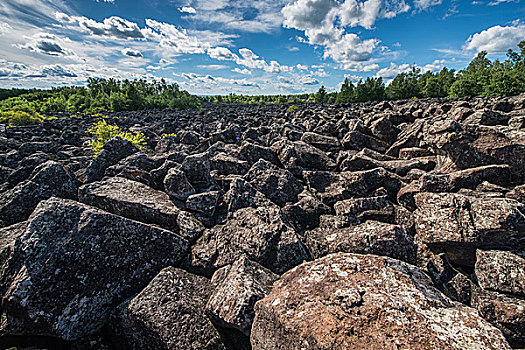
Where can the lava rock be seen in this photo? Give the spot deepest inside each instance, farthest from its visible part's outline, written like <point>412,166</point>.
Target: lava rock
<point>72,263</point>
<point>501,271</point>
<point>371,237</point>
<point>167,314</point>
<point>351,301</point>
<point>260,233</point>
<point>279,185</point>
<point>177,185</point>
<point>458,224</point>
<point>239,287</point>
<point>131,199</point>
<point>47,180</point>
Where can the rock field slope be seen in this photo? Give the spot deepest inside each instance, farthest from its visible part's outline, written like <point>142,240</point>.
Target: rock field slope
<point>391,225</point>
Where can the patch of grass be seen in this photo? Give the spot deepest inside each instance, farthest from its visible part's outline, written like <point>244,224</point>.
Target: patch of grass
<point>103,132</point>
<point>293,108</point>
<point>20,118</point>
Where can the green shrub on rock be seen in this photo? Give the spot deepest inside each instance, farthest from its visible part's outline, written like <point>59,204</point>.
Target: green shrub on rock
<point>103,132</point>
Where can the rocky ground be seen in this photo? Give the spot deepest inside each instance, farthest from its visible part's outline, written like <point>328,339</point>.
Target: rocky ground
<point>395,225</point>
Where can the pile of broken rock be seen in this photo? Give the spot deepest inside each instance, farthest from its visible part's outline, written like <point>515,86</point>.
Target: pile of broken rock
<point>362,226</point>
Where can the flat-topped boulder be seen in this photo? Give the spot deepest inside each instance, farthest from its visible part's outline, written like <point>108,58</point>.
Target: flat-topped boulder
<point>131,199</point>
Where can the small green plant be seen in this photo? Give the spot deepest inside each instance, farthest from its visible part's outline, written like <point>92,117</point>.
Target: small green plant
<point>103,132</point>
<point>20,118</point>
<point>293,108</point>
<point>168,135</point>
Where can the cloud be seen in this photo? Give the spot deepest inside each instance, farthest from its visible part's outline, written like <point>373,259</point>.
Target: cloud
<point>425,4</point>
<point>301,66</point>
<point>187,9</point>
<point>496,39</point>
<point>212,66</point>
<point>5,28</point>
<point>248,59</point>
<point>499,2</point>
<point>245,71</point>
<point>308,80</point>
<point>176,40</point>
<point>57,71</point>
<point>350,48</point>
<point>222,54</point>
<point>114,26</point>
<point>324,23</point>
<point>360,67</point>
<point>131,53</point>
<point>248,16</point>
<point>107,1</point>
<point>393,70</point>
<point>47,44</point>
<point>320,73</point>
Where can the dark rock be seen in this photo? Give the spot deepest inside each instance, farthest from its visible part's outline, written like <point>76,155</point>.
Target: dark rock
<point>252,153</point>
<point>357,141</point>
<point>177,185</point>
<point>332,187</point>
<point>196,167</point>
<point>304,215</point>
<point>239,287</point>
<point>448,279</point>
<point>131,199</point>
<point>357,210</point>
<point>189,227</point>
<point>371,237</point>
<point>167,314</point>
<point>504,312</point>
<point>351,301</point>
<point>260,233</point>
<point>501,271</point>
<point>279,185</point>
<point>93,258</point>
<point>322,142</point>
<point>113,151</point>
<point>458,224</point>
<point>298,156</point>
<point>47,180</point>
<point>225,164</point>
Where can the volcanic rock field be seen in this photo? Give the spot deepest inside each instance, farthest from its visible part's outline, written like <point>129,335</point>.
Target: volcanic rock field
<point>391,225</point>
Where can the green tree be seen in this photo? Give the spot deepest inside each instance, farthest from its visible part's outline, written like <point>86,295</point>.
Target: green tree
<point>346,94</point>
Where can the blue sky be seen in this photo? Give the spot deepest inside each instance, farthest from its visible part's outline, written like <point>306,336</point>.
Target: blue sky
<point>252,47</point>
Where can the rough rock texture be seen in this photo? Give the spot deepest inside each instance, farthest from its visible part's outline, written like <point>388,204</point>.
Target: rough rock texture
<point>47,180</point>
<point>371,237</point>
<point>131,199</point>
<point>239,287</point>
<point>458,224</point>
<point>270,183</point>
<point>350,301</point>
<point>167,314</point>
<point>260,233</point>
<point>501,271</point>
<point>503,311</point>
<point>279,185</point>
<point>95,259</point>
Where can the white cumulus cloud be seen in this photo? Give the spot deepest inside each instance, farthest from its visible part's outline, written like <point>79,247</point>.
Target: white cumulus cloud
<point>496,39</point>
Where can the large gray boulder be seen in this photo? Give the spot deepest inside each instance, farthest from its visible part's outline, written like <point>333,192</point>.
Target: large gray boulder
<point>501,271</point>
<point>131,199</point>
<point>261,233</point>
<point>168,314</point>
<point>63,272</point>
<point>458,224</point>
<point>239,287</point>
<point>47,180</point>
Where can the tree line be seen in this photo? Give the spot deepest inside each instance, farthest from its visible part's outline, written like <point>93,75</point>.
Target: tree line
<point>482,77</point>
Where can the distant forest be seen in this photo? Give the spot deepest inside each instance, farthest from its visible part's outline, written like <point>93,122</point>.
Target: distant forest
<point>482,77</point>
